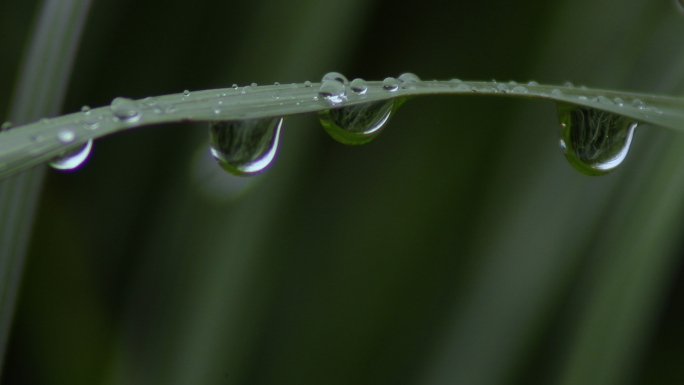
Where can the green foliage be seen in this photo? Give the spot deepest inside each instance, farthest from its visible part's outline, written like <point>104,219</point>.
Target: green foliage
<point>456,247</point>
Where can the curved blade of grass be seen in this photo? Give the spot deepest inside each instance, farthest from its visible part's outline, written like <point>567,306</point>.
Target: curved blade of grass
<point>40,92</point>
<point>32,144</point>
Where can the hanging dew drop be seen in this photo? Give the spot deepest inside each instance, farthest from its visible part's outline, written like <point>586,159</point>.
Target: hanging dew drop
<point>245,147</point>
<point>360,123</point>
<point>594,142</point>
<point>73,159</point>
<point>332,92</point>
<point>125,109</point>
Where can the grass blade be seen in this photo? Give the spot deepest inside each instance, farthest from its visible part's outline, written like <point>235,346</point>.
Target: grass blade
<point>40,91</point>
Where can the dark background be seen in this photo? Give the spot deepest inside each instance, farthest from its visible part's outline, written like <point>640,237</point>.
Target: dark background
<point>456,248</point>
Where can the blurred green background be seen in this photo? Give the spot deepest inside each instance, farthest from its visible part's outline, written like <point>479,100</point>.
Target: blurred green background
<point>456,248</point>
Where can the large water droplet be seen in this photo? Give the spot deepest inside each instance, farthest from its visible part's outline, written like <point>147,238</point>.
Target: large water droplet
<point>74,158</point>
<point>125,109</point>
<point>594,141</point>
<point>245,147</point>
<point>360,123</point>
<point>333,92</point>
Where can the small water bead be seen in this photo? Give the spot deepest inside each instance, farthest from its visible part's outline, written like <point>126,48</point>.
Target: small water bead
<point>463,87</point>
<point>582,97</point>
<point>333,92</point>
<point>502,88</point>
<point>186,93</point>
<point>568,85</point>
<point>74,158</point>
<point>6,126</point>
<point>360,123</point>
<point>276,84</point>
<point>638,104</point>
<point>618,100</point>
<point>307,84</point>
<point>532,83</point>
<point>512,83</point>
<point>245,147</point>
<point>455,81</point>
<point>85,109</point>
<point>556,92</point>
<point>90,121</point>
<point>408,80</point>
<point>66,136</point>
<point>519,90</point>
<point>335,76</point>
<point>359,86</point>
<point>604,100</point>
<point>253,85</point>
<point>594,141</point>
<point>390,84</point>
<point>234,86</point>
<point>125,109</point>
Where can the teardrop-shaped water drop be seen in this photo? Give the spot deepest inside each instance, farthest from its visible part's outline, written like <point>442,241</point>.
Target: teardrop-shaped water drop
<point>333,92</point>
<point>125,109</point>
<point>74,158</point>
<point>245,147</point>
<point>360,123</point>
<point>335,76</point>
<point>594,142</point>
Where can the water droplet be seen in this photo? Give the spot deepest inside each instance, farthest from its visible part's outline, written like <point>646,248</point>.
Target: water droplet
<point>6,126</point>
<point>307,84</point>
<point>360,123</point>
<point>66,136</point>
<point>455,81</point>
<point>245,147</point>
<point>638,104</point>
<point>568,85</point>
<point>359,86</point>
<point>408,80</point>
<point>186,93</point>
<point>532,83</point>
<point>463,87</point>
<point>335,76</point>
<point>150,101</point>
<point>556,92</point>
<point>234,86</point>
<point>253,85</point>
<point>618,100</point>
<point>125,109</point>
<point>519,90</point>
<point>390,84</point>
<point>74,158</point>
<point>502,88</point>
<point>604,100</point>
<point>276,84</point>
<point>582,97</point>
<point>333,92</point>
<point>85,109</point>
<point>594,141</point>
<point>89,120</point>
